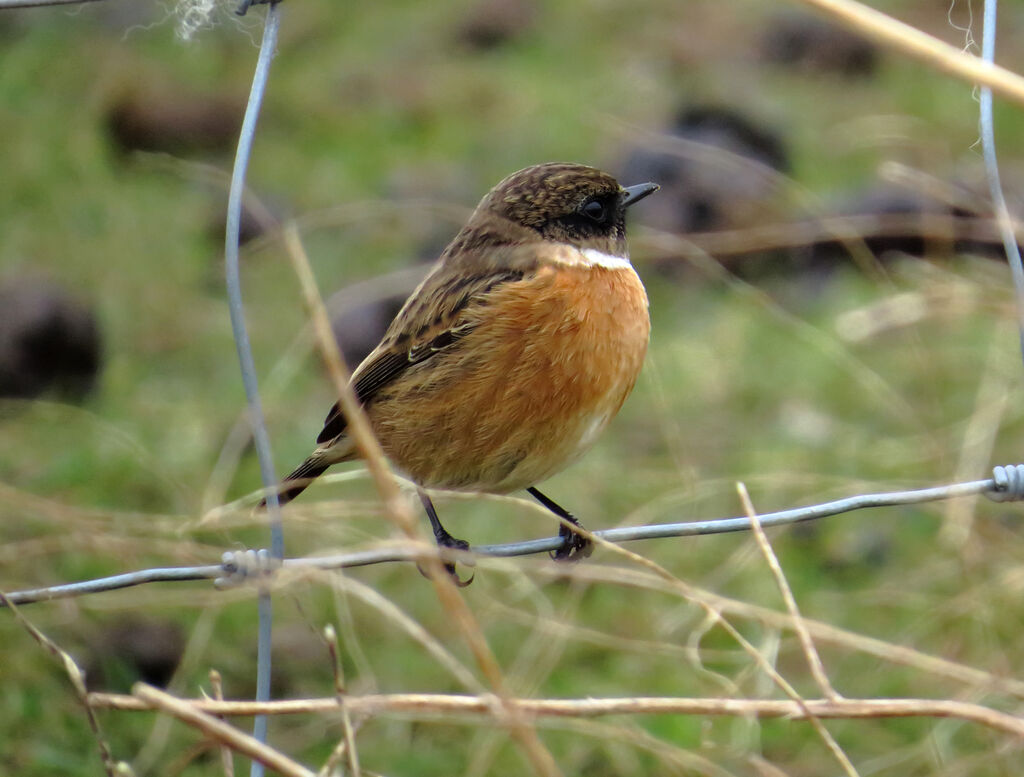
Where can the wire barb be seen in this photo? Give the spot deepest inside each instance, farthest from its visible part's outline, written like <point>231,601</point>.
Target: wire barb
<point>241,566</point>
<point>1006,484</point>
<point>1009,484</point>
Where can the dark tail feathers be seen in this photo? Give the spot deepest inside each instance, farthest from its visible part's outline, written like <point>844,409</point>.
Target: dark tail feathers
<point>304,474</point>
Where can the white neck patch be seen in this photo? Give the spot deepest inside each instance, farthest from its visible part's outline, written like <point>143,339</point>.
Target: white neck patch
<point>571,256</point>
<point>596,258</point>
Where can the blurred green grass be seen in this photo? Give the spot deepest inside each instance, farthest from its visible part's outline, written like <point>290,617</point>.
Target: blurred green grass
<point>377,106</point>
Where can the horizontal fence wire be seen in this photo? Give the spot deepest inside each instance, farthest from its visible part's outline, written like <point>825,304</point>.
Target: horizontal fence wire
<point>1006,484</point>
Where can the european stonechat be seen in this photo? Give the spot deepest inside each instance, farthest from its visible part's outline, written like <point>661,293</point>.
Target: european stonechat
<point>511,357</point>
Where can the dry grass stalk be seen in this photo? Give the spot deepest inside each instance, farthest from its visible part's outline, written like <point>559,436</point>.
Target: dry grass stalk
<point>807,232</point>
<point>979,441</point>
<point>429,705</point>
<point>398,509</point>
<point>916,43</point>
<point>813,659</point>
<point>715,617</point>
<point>219,731</point>
<point>347,745</point>
<point>806,643</point>
<point>888,651</point>
<point>77,677</point>
<point>226,761</point>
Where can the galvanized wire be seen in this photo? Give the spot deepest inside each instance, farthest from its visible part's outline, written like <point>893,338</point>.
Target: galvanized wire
<point>1006,484</point>
<point>988,147</point>
<point>261,438</point>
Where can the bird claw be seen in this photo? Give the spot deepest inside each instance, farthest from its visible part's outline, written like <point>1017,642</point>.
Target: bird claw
<point>574,546</point>
<point>450,568</point>
<point>448,541</point>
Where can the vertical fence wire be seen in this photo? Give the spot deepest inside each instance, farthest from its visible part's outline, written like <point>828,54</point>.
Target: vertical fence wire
<point>988,147</point>
<point>248,367</point>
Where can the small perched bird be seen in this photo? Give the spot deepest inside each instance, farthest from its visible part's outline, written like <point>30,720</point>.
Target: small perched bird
<point>511,357</point>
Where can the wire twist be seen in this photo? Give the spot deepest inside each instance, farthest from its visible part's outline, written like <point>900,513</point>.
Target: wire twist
<point>1005,485</point>
<point>1009,484</point>
<point>240,566</point>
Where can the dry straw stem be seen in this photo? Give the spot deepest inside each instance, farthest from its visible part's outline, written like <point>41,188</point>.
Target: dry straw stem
<point>716,617</point>
<point>888,651</point>
<point>347,746</point>
<point>900,410</point>
<point>913,42</point>
<point>995,388</point>
<point>540,758</point>
<point>796,234</point>
<point>358,425</point>
<point>813,659</point>
<point>392,613</point>
<point>226,761</point>
<point>428,705</point>
<point>218,730</point>
<point>77,677</point>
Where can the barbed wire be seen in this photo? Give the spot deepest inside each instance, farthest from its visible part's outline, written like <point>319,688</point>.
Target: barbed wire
<point>1006,484</point>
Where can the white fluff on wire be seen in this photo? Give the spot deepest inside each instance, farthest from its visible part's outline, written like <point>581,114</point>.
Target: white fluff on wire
<point>193,16</point>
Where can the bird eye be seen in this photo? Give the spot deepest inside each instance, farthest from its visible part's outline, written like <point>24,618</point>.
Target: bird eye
<point>594,210</point>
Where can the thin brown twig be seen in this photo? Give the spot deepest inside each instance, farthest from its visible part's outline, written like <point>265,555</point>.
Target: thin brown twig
<point>810,651</point>
<point>358,426</point>
<point>916,43</point>
<point>432,704</point>
<point>813,659</point>
<point>820,630</point>
<point>716,615</point>
<point>779,235</point>
<point>77,678</point>
<point>226,761</point>
<point>415,631</point>
<point>347,745</point>
<point>899,408</point>
<point>194,715</point>
<point>398,508</point>
<point>980,433</point>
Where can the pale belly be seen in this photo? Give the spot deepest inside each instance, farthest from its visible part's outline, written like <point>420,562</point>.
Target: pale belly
<point>527,392</point>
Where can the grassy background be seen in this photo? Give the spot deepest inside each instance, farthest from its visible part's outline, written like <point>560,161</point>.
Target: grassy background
<point>375,115</point>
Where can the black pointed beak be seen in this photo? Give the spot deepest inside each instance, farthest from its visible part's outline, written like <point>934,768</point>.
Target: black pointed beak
<point>633,194</point>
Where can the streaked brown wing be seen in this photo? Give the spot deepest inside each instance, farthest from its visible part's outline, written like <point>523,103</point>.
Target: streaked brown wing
<point>427,325</point>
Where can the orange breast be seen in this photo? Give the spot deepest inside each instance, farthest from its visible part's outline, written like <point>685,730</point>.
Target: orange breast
<point>547,365</point>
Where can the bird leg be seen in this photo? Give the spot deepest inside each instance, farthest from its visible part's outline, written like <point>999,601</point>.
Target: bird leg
<point>443,538</point>
<point>574,546</point>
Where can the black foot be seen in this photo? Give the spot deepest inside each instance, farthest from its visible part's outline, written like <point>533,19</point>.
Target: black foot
<point>444,540</point>
<point>574,546</point>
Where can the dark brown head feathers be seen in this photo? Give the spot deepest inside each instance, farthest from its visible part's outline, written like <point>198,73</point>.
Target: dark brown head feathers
<point>542,192</point>
<point>564,202</point>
